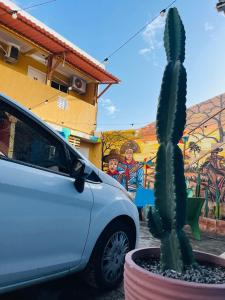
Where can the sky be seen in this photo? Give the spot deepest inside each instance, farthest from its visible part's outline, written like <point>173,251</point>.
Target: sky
<point>100,27</point>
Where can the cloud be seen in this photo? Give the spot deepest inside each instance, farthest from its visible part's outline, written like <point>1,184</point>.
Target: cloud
<point>152,35</point>
<point>144,51</point>
<point>208,26</point>
<point>108,106</point>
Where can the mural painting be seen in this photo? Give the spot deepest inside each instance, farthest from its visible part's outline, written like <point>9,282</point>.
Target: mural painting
<point>123,159</point>
<point>129,155</point>
<point>124,168</point>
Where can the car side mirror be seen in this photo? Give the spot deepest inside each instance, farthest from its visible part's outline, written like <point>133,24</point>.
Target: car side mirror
<point>80,171</point>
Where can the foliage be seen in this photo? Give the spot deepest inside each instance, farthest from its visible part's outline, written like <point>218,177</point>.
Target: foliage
<point>198,186</point>
<point>207,201</point>
<point>166,221</point>
<point>194,147</point>
<point>217,207</point>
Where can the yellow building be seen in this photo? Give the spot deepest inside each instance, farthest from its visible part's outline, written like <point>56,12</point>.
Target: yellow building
<point>52,77</point>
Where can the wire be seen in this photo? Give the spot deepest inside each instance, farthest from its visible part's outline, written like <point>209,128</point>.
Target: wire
<point>137,32</point>
<point>27,8</point>
<point>117,124</point>
<point>52,98</point>
<point>46,101</point>
<point>206,120</point>
<point>36,5</point>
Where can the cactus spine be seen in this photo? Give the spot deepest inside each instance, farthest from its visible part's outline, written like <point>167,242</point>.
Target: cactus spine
<point>166,221</point>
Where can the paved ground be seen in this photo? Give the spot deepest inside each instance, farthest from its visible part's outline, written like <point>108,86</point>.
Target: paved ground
<point>73,288</point>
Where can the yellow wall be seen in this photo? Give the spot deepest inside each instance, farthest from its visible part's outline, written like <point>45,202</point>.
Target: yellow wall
<point>82,109</point>
<point>24,61</point>
<point>96,154</point>
<point>80,115</point>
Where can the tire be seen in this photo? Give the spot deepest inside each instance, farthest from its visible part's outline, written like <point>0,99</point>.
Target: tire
<point>105,268</point>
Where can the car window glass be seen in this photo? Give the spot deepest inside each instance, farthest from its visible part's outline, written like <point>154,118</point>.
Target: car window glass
<point>21,139</point>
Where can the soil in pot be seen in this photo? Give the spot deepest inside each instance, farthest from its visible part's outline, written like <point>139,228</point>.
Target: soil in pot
<point>201,273</point>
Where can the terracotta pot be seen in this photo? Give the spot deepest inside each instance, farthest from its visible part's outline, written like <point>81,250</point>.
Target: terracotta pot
<point>140,284</point>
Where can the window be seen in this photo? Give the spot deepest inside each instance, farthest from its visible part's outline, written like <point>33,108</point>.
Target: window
<point>22,140</point>
<point>36,74</point>
<point>58,86</point>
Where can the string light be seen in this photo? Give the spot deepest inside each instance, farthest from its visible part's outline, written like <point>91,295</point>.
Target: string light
<point>162,14</point>
<point>106,61</point>
<point>14,14</point>
<point>38,4</point>
<point>46,101</point>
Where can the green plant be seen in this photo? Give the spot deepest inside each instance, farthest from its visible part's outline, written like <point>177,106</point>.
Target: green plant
<point>207,201</point>
<point>217,207</point>
<point>189,189</point>
<point>167,219</point>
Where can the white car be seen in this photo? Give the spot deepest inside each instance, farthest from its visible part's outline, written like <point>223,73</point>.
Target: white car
<point>58,212</point>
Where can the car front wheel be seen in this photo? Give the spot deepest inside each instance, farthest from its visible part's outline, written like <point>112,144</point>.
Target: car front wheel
<point>105,269</point>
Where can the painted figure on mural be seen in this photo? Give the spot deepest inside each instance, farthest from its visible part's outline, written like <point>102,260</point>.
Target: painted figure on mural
<point>114,170</point>
<point>214,170</point>
<point>133,170</point>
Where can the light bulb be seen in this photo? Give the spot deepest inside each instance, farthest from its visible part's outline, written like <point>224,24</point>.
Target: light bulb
<point>162,13</point>
<point>14,15</point>
<point>106,61</point>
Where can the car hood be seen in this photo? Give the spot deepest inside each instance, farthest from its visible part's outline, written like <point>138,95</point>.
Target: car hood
<point>110,180</point>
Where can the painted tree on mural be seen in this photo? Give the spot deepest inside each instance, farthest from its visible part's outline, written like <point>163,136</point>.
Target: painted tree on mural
<point>201,112</point>
<point>194,147</point>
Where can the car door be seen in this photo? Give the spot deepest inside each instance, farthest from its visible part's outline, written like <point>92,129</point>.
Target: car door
<point>44,221</point>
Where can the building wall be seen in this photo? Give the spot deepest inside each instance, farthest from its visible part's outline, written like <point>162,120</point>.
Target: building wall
<point>79,116</point>
<point>24,61</point>
<point>81,112</point>
<point>96,155</point>
<point>94,152</point>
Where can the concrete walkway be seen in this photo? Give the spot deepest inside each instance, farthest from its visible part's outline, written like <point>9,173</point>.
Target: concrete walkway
<point>73,288</point>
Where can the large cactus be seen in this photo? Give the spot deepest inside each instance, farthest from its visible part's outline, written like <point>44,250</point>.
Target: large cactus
<point>166,221</point>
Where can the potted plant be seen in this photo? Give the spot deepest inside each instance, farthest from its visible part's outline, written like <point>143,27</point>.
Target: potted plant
<point>194,208</point>
<point>168,272</point>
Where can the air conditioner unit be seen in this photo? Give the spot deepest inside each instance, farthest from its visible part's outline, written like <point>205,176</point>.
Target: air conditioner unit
<point>79,85</point>
<point>12,53</point>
